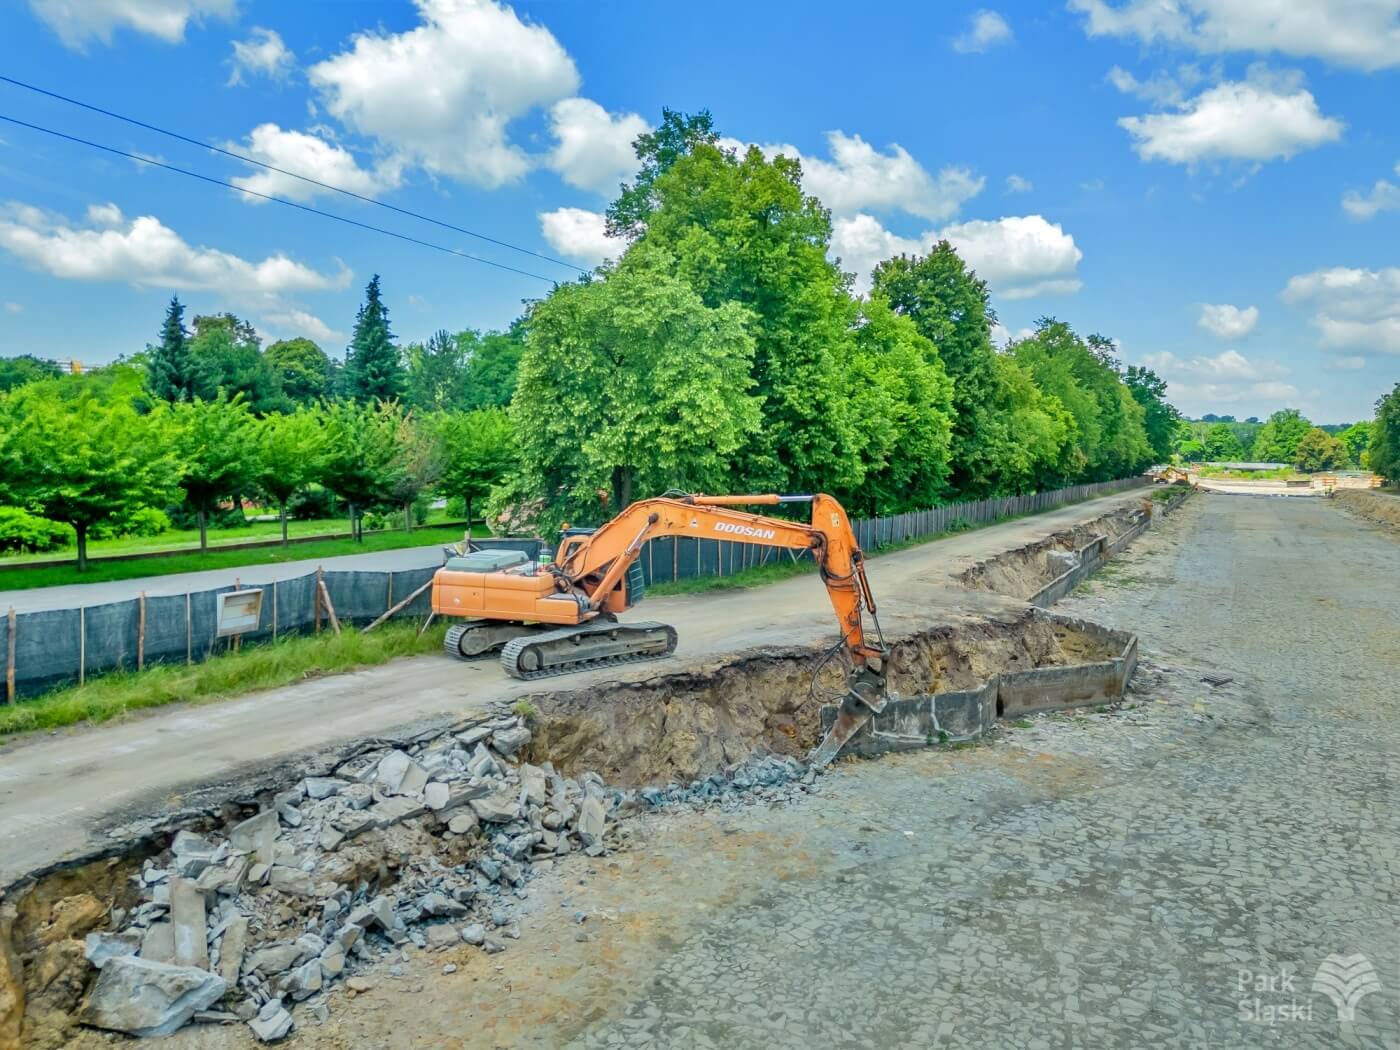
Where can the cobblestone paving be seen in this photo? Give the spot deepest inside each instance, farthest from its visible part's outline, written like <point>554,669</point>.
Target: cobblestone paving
<point>1172,874</point>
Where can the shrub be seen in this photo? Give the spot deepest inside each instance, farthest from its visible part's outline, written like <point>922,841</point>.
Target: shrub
<point>314,502</point>
<point>144,521</point>
<point>29,533</point>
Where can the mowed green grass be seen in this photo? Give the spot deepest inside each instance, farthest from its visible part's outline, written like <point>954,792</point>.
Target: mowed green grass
<point>164,565</point>
<point>288,660</point>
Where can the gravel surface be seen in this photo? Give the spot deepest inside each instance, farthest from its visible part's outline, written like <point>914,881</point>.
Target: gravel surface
<point>1171,872</point>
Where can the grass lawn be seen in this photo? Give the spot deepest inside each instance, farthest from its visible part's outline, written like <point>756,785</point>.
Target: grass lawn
<point>287,660</point>
<point>164,565</point>
<point>181,539</point>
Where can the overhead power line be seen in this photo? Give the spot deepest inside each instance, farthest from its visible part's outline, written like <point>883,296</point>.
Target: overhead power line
<point>270,197</point>
<point>283,171</point>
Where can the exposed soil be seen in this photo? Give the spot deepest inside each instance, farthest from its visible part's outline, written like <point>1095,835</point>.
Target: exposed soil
<point>1022,572</point>
<point>1378,507</point>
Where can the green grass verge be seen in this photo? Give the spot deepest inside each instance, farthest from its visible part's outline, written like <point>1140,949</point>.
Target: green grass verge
<point>257,667</point>
<point>164,565</point>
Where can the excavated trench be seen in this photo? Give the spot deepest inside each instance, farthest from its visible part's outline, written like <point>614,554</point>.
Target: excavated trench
<point>670,729</point>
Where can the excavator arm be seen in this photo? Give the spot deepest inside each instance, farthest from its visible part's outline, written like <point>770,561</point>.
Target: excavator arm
<point>594,565</point>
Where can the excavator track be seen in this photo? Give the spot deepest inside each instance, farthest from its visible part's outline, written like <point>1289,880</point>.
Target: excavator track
<point>586,646</point>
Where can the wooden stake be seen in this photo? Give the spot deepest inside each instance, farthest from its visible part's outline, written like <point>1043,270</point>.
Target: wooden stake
<point>426,623</point>
<point>390,612</point>
<point>10,661</point>
<point>141,633</point>
<point>330,609</point>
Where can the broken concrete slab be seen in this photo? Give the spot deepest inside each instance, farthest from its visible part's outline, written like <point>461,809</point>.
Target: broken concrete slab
<point>509,741</point>
<point>415,779</point>
<point>256,835</point>
<point>391,771</point>
<point>189,922</point>
<point>500,808</point>
<point>231,951</point>
<point>463,822</point>
<point>592,821</point>
<point>273,1022</point>
<point>99,947</point>
<point>436,795</point>
<point>158,943</point>
<point>532,784</point>
<point>273,959</point>
<point>145,998</point>
<point>318,788</point>
<point>291,880</point>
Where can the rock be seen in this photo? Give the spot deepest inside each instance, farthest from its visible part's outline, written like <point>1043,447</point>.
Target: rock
<point>357,796</point>
<point>310,944</point>
<point>231,951</point>
<point>490,867</point>
<point>305,981</point>
<point>499,808</point>
<point>256,835</point>
<point>273,959</point>
<point>214,1017</point>
<point>439,905</point>
<point>392,768</point>
<point>592,821</point>
<point>509,741</point>
<point>393,811</point>
<point>347,935</point>
<point>442,936</point>
<point>272,1023</point>
<point>192,854</point>
<point>158,943</point>
<point>291,880</point>
<point>257,874</point>
<point>474,934</point>
<point>153,875</point>
<point>189,924</point>
<point>319,1012</point>
<point>474,735</point>
<point>145,998</point>
<point>450,968</point>
<point>414,781</point>
<point>291,816</point>
<point>332,961</point>
<point>359,985</point>
<point>463,822</point>
<point>99,947</point>
<point>317,788</point>
<point>532,783</point>
<point>436,795</point>
<point>72,917</point>
<point>330,838</point>
<point>224,878</point>
<point>512,873</point>
<point>493,946</point>
<point>378,912</point>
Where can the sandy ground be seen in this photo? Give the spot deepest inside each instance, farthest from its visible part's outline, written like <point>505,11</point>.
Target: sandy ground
<point>1172,872</point>
<point>63,794</point>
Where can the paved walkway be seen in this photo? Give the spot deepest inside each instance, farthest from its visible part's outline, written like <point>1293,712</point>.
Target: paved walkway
<point>60,793</point>
<point>72,595</point>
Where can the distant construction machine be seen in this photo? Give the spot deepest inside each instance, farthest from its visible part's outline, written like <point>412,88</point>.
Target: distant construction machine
<point>562,617</point>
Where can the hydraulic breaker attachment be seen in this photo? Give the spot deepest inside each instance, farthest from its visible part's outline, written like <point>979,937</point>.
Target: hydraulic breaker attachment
<point>865,697</point>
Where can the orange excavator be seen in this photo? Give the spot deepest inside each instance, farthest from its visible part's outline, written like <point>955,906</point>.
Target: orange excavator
<point>562,617</point>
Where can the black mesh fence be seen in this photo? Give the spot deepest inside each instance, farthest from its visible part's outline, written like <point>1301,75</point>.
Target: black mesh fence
<point>55,647</point>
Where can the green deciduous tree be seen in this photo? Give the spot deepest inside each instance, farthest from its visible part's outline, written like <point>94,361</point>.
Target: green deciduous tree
<point>81,461</point>
<point>676,137</point>
<point>24,368</point>
<point>1221,445</point>
<point>1385,437</point>
<point>1319,450</point>
<point>437,372</point>
<point>1357,439</point>
<point>1277,440</point>
<point>171,371</point>
<point>418,462</point>
<point>228,358</point>
<point>217,447</point>
<point>373,365</point>
<point>478,451</point>
<point>289,452</point>
<point>1160,417</point>
<point>492,363</point>
<point>361,463</point>
<point>631,385</point>
<point>302,368</point>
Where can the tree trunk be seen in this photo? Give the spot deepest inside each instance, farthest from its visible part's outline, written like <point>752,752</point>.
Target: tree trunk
<point>203,531</point>
<point>354,532</point>
<point>408,517</point>
<point>81,530</point>
<point>284,523</point>
<point>468,500</point>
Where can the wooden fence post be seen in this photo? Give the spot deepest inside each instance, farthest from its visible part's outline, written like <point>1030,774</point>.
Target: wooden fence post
<point>141,633</point>
<point>330,609</point>
<point>10,659</point>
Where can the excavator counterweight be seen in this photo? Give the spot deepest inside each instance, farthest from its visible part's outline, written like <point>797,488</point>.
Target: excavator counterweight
<point>562,617</point>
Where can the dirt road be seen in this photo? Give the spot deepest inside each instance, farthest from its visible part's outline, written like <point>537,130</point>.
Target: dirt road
<point>61,794</point>
<point>1174,873</point>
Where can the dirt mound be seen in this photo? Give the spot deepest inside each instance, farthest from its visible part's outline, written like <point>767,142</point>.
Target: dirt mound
<point>1373,506</point>
<point>1022,572</point>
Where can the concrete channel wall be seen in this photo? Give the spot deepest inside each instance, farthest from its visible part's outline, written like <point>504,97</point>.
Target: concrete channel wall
<point>955,717</point>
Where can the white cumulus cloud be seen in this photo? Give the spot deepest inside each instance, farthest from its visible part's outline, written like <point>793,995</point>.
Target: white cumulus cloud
<point>580,234</point>
<point>1019,256</point>
<point>1384,196</point>
<point>1256,120</point>
<point>288,322</point>
<point>985,30</point>
<point>1224,378</point>
<point>1359,34</point>
<point>1355,311</point>
<point>78,21</point>
<point>1227,321</point>
<point>595,146</point>
<point>1018,184</point>
<point>312,157</point>
<point>444,94</point>
<point>145,252</point>
<point>262,54</point>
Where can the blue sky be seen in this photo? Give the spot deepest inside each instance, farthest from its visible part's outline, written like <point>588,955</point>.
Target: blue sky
<point>1216,187</point>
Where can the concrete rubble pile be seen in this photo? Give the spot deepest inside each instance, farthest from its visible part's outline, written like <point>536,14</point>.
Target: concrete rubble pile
<point>430,846</point>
